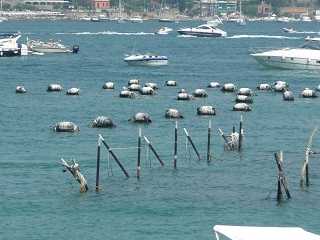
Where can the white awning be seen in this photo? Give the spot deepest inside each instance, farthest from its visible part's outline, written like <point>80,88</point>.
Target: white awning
<point>264,233</point>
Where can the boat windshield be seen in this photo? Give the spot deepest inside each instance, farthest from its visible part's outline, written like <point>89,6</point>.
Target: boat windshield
<point>314,45</point>
<point>204,27</point>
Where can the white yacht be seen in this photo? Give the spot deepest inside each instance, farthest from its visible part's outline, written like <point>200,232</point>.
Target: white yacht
<point>50,46</point>
<point>9,46</point>
<point>289,30</point>
<point>306,56</point>
<point>204,30</point>
<point>262,233</point>
<point>163,31</point>
<point>136,19</point>
<point>146,60</point>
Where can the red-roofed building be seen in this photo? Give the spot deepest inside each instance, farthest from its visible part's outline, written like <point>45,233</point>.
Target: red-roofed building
<point>101,4</point>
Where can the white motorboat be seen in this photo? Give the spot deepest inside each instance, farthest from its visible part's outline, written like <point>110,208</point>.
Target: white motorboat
<point>136,19</point>
<point>166,20</point>
<point>289,30</point>
<point>262,233</point>
<point>50,46</point>
<point>164,31</point>
<point>146,60</point>
<point>9,46</point>
<point>306,56</point>
<point>204,30</point>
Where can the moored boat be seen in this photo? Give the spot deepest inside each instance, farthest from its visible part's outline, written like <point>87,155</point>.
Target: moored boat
<point>50,46</point>
<point>9,46</point>
<point>306,56</point>
<point>262,233</point>
<point>163,31</point>
<point>204,30</point>
<point>146,60</point>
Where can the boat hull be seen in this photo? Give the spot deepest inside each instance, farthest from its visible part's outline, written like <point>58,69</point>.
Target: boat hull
<point>199,34</point>
<point>288,63</point>
<point>50,50</point>
<point>153,63</point>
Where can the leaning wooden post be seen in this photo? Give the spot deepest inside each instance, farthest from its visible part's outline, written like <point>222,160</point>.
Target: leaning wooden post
<point>209,143</point>
<point>281,177</point>
<point>153,150</point>
<point>98,164</point>
<point>114,156</point>
<point>305,166</point>
<point>192,144</point>
<point>240,134</point>
<point>175,146</point>
<point>74,169</point>
<point>139,155</point>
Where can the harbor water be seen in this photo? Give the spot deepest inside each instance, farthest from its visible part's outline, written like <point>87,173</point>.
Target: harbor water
<point>39,201</point>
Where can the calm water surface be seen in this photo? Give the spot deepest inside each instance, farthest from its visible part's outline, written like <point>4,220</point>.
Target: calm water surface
<point>39,201</point>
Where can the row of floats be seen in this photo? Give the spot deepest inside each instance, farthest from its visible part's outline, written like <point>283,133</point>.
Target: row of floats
<point>243,98</point>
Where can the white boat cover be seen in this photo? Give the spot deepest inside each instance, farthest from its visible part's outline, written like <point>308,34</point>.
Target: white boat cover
<point>264,233</point>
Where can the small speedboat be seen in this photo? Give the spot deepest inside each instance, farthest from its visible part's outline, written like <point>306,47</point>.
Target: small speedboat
<point>167,20</point>
<point>163,31</point>
<point>306,56</point>
<point>204,30</point>
<point>146,60</point>
<point>289,30</point>
<point>136,19</point>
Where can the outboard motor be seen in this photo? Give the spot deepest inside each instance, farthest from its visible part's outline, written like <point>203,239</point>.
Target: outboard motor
<point>75,49</point>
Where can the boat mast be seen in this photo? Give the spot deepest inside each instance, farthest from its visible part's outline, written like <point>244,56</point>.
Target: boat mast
<point>240,9</point>
<point>120,14</point>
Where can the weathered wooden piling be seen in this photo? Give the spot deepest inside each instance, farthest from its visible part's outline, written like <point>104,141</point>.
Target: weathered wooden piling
<point>209,143</point>
<point>153,150</point>
<point>114,156</point>
<point>282,181</point>
<point>227,144</point>
<point>74,169</point>
<point>98,164</point>
<point>139,155</point>
<point>175,146</point>
<point>192,144</point>
<point>305,167</point>
<point>240,134</point>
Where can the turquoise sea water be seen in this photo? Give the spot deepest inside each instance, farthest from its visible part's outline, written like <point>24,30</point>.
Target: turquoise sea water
<point>39,201</point>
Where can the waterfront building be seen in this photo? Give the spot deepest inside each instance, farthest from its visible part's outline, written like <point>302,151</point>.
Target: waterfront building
<point>100,5</point>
